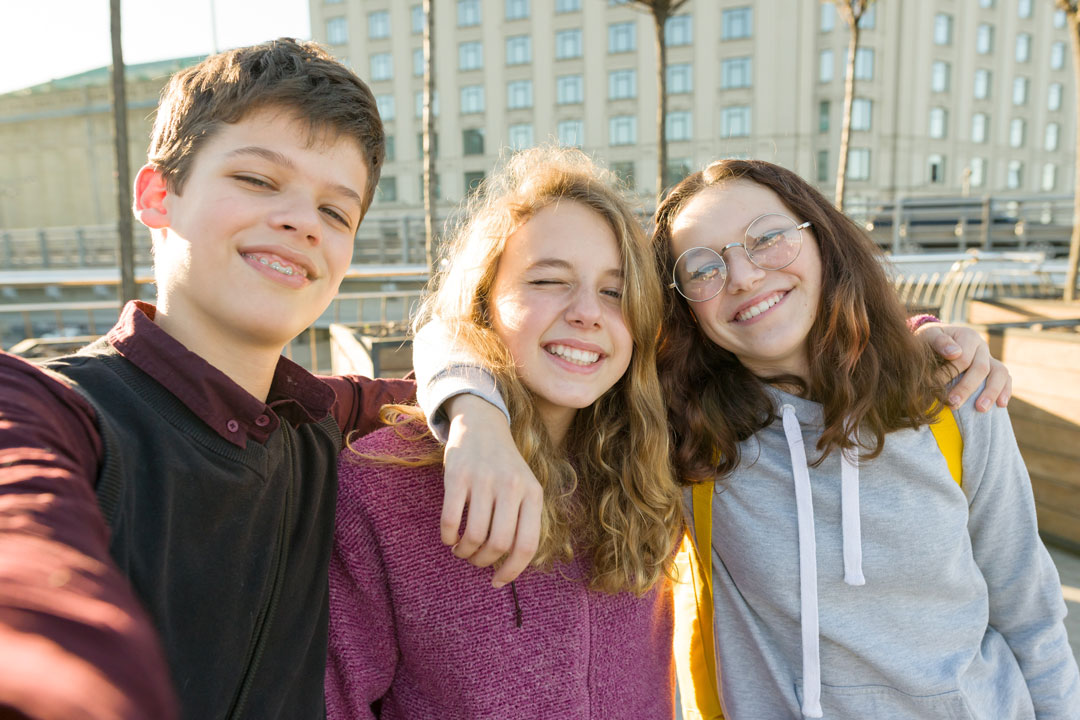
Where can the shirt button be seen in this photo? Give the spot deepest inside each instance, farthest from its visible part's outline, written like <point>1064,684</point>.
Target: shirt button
<point>232,426</point>
<point>262,421</point>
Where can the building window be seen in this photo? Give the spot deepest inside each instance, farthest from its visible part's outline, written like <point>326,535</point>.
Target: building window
<point>385,103</point>
<point>986,3</point>
<point>828,17</point>
<point>565,6</point>
<point>416,19</point>
<point>825,66</point>
<point>473,180</point>
<point>935,168</point>
<point>869,18</point>
<point>864,63</point>
<point>391,153</point>
<point>337,31</point>
<point>569,89</point>
<point>979,125</point>
<point>978,171</point>
<point>436,189</point>
<point>625,172</point>
<point>472,99</point>
<point>677,31</point>
<point>622,84</point>
<point>420,144</point>
<point>567,44</point>
<point>622,130</point>
<point>678,126</point>
<point>676,170</point>
<point>858,166</point>
<point>1023,47</point>
<point>1017,130</point>
<point>1020,91</point>
<point>1016,175</point>
<point>382,66</point>
<point>468,13</point>
<point>943,29</point>
<point>621,37</point>
<point>387,189</point>
<point>984,39</point>
<point>418,99</point>
<point>1057,56</point>
<point>470,56</point>
<point>472,141</point>
<point>680,79</point>
<point>1049,177</point>
<point>939,118</point>
<point>735,73</point>
<point>521,136</point>
<point>735,121</point>
<point>1059,19</point>
<point>824,115</point>
<point>939,76</point>
<point>571,133</point>
<point>1053,97</point>
<point>519,94</point>
<point>378,25</point>
<point>982,84</point>
<point>418,62</point>
<point>517,9</point>
<point>1023,8</point>
<point>736,23</point>
<point>861,111</point>
<point>1050,141</point>
<point>822,166</point>
<point>518,50</point>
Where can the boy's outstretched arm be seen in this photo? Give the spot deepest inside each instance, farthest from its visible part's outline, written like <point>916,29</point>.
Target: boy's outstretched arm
<point>74,640</point>
<point>969,354</point>
<point>482,464</point>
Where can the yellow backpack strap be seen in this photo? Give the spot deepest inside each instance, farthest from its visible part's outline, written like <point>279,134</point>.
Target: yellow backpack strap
<point>695,661</point>
<point>950,442</point>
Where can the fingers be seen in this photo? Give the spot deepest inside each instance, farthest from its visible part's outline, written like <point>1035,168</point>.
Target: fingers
<point>455,494</point>
<point>973,377</point>
<point>478,521</point>
<point>998,387</point>
<point>943,343</point>
<point>526,541</point>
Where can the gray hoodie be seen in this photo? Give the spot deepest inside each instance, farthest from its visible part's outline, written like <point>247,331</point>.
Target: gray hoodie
<point>885,590</point>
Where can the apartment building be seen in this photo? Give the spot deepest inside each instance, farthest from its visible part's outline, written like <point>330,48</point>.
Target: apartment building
<point>952,96</point>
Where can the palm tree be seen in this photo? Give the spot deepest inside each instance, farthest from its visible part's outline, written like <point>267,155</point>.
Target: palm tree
<point>126,244</point>
<point>429,134</point>
<point>851,11</point>
<point>1072,21</point>
<point>661,10</point>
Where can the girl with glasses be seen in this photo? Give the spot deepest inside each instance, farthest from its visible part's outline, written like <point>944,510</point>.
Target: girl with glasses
<point>551,283</point>
<point>853,575</point>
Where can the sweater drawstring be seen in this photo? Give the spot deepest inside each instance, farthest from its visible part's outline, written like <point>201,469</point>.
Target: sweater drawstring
<point>517,606</point>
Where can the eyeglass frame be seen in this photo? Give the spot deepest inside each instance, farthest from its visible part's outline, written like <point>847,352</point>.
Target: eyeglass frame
<point>675,281</point>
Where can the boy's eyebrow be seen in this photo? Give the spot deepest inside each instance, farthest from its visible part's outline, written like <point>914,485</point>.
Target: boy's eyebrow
<point>279,159</point>
<point>560,264</point>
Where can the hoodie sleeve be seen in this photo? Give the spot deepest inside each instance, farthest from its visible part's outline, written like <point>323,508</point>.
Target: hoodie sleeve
<point>443,371</point>
<point>1026,604</point>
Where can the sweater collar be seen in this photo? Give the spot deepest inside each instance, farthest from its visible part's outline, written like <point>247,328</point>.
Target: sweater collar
<point>296,395</point>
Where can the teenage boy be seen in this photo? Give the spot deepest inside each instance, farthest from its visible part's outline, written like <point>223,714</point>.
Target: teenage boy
<point>176,479</point>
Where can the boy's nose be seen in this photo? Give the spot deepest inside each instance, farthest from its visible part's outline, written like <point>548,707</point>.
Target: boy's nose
<point>300,219</point>
<point>742,275</point>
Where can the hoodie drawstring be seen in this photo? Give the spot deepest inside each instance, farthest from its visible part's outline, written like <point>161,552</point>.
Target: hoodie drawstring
<point>852,533</point>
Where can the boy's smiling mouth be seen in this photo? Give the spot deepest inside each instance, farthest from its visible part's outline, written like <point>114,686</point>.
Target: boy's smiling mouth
<point>275,263</point>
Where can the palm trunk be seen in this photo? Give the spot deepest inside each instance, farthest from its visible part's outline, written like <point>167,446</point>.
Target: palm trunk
<point>849,99</point>
<point>126,242</point>
<point>660,19</point>
<point>1074,243</point>
<point>429,133</point>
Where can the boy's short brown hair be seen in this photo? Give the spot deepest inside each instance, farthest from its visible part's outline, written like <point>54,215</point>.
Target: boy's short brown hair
<point>299,77</point>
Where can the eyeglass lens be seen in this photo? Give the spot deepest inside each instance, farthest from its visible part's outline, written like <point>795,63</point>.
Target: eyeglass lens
<point>772,242</point>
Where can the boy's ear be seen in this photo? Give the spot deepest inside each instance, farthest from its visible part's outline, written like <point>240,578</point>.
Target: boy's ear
<point>150,192</point>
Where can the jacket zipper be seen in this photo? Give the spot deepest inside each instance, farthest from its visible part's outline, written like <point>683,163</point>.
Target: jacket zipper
<point>266,615</point>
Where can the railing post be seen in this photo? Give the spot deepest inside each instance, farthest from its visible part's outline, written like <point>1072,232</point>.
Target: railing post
<point>898,214</point>
<point>80,242</point>
<point>43,243</point>
<point>987,222</point>
<point>9,253</point>
<point>405,239</point>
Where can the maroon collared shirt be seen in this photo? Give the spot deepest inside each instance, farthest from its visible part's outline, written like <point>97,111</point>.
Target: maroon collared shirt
<point>74,640</point>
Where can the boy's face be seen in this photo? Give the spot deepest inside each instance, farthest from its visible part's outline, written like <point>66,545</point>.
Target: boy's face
<point>255,247</point>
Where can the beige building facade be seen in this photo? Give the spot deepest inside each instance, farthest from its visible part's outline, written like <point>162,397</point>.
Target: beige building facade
<point>952,96</point>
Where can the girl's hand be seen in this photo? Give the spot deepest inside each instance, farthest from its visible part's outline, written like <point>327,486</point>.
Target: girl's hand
<point>969,354</point>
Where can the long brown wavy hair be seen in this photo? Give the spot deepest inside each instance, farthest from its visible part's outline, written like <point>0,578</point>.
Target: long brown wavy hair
<point>610,491</point>
<point>867,370</point>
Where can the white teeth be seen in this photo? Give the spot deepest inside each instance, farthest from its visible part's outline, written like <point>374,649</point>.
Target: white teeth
<point>275,265</point>
<point>574,355</point>
<point>755,310</point>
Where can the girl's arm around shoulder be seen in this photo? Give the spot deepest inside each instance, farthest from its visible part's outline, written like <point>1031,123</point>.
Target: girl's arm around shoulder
<point>358,399</point>
<point>74,641</point>
<point>1026,604</point>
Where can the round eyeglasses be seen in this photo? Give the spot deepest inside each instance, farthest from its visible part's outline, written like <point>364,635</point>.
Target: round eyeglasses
<point>772,242</point>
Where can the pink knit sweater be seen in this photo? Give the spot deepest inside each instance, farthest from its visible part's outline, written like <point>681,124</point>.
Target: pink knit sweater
<point>422,634</point>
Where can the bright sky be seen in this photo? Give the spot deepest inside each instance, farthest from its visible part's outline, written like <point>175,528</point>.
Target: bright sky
<point>46,39</point>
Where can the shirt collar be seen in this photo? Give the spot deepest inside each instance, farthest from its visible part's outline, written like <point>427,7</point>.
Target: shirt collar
<point>295,395</point>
